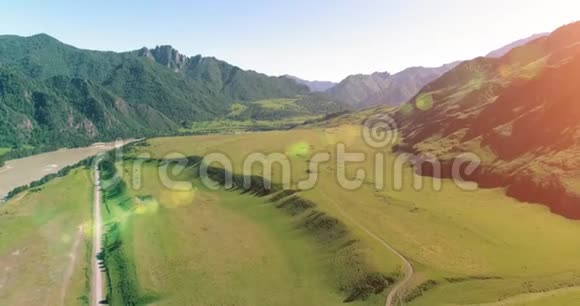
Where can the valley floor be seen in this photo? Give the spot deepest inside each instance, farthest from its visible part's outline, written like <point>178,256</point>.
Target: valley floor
<point>205,247</point>
<point>468,247</point>
<point>45,244</point>
<point>193,245</point>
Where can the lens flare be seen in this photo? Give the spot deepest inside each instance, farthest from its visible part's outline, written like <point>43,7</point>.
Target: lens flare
<point>177,198</point>
<point>298,150</point>
<point>424,102</point>
<point>146,205</point>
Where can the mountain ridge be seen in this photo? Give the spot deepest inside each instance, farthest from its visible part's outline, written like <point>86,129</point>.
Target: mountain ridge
<point>517,113</point>
<point>382,88</point>
<point>69,96</point>
<point>517,116</point>
<point>507,48</point>
<point>315,86</point>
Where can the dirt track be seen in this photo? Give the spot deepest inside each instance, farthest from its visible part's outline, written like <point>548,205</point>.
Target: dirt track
<point>395,293</point>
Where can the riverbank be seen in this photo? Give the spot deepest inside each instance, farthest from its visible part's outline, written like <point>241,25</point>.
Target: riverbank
<point>23,171</point>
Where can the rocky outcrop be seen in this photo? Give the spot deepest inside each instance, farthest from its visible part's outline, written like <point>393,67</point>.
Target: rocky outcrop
<point>169,57</point>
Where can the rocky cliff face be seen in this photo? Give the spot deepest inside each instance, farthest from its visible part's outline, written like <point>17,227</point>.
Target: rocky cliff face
<point>169,57</point>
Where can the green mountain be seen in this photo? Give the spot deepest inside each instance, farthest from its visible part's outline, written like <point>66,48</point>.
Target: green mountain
<point>53,93</point>
<point>381,88</point>
<point>518,113</point>
<point>221,77</point>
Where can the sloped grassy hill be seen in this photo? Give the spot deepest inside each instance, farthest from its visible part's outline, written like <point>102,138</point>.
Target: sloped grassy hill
<point>518,113</point>
<point>54,93</point>
<point>468,248</point>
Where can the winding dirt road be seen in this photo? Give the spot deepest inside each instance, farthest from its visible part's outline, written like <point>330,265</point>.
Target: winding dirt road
<point>394,297</point>
<point>97,292</point>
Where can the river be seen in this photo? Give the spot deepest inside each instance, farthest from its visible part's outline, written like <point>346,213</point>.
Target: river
<point>26,170</point>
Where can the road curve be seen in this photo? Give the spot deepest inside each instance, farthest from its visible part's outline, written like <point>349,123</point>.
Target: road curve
<point>395,294</point>
<point>97,292</point>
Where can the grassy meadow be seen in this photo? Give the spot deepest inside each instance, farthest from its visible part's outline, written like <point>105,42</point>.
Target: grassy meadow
<point>45,244</point>
<point>323,246</point>
<point>229,126</point>
<point>261,115</point>
<point>467,247</point>
<point>206,247</point>
<point>278,104</point>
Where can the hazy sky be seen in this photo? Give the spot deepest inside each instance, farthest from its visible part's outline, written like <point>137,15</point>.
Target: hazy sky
<point>312,39</point>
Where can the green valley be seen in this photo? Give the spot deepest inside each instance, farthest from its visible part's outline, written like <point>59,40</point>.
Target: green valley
<point>463,245</point>
<point>212,248</point>
<point>457,185</point>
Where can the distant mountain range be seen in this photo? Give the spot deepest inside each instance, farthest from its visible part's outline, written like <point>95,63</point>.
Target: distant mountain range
<point>315,86</point>
<point>381,88</point>
<point>507,48</point>
<point>54,93</point>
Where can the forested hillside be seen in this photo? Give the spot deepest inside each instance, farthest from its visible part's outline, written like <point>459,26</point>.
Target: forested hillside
<point>53,93</point>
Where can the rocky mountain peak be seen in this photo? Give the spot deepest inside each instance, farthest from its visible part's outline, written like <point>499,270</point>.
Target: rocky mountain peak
<point>145,52</point>
<point>382,75</point>
<point>168,56</point>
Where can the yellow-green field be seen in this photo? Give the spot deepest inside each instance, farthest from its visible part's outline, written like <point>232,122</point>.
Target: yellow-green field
<point>4,150</point>
<point>205,247</point>
<point>45,244</point>
<point>227,247</point>
<point>278,104</point>
<point>477,246</point>
<point>262,115</point>
<point>228,126</point>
